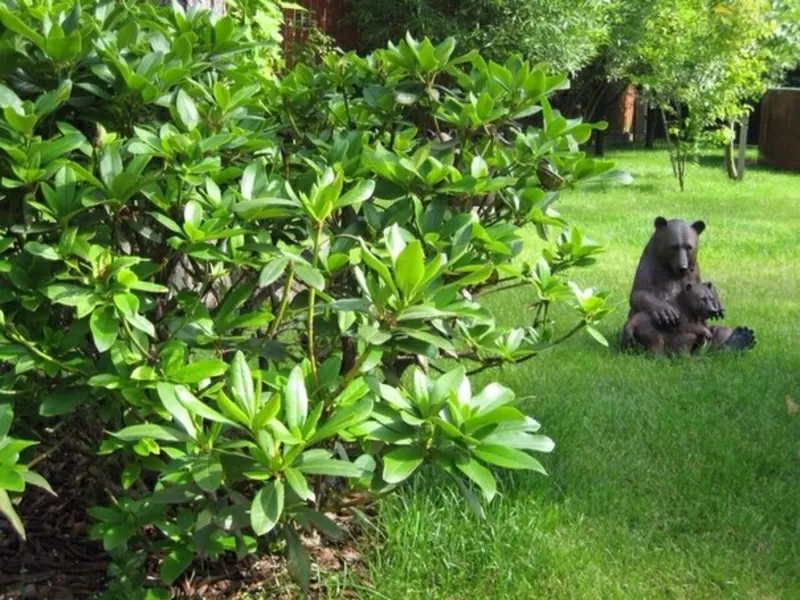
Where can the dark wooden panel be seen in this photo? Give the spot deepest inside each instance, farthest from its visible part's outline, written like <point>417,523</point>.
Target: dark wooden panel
<point>779,135</point>
<point>328,15</point>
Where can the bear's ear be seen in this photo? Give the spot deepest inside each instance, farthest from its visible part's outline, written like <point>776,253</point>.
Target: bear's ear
<point>699,227</point>
<point>660,222</point>
<point>708,285</point>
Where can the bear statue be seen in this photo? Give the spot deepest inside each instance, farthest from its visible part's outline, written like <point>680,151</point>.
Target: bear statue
<point>695,304</point>
<point>667,264</point>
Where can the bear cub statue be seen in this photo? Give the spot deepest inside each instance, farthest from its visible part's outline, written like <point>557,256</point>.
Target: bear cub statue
<point>696,303</point>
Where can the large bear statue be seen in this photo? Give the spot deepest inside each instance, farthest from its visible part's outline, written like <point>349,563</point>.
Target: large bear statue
<point>667,264</point>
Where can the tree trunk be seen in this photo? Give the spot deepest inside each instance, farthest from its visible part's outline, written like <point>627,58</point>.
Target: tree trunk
<point>681,160</point>
<point>627,110</point>
<point>652,124</point>
<point>674,152</point>
<point>742,144</point>
<point>599,110</point>
<point>730,161</point>
<point>599,142</point>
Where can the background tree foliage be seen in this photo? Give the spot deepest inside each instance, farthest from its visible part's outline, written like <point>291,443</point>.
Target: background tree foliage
<point>565,34</point>
<point>704,63</point>
<point>254,294</point>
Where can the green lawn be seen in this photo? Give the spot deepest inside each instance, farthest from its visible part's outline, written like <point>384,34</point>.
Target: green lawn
<point>674,479</point>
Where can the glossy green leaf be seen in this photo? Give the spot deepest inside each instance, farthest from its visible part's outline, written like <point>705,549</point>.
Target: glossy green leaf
<point>395,244</point>
<point>296,399</point>
<point>422,312</point>
<point>267,507</point>
<point>146,286</point>
<point>241,382</point>
<point>105,328</point>
<point>507,458</point>
<point>498,415</point>
<point>231,409</point>
<point>480,475</point>
<point>169,398</point>
<point>325,525</point>
<point>197,371</point>
<point>150,431</point>
<point>199,408</point>
<point>187,110</point>
<point>272,270</point>
<point>362,192</point>
<point>7,510</point>
<point>11,479</point>
<point>470,497</point>
<point>34,478</point>
<point>520,440</point>
<point>297,560</point>
<point>193,214</point>
<point>62,401</point>
<point>8,98</point>
<point>6,417</point>
<point>400,463</point>
<point>42,251</point>
<point>116,535</point>
<point>342,418</point>
<point>127,304</point>
<point>298,483</point>
<point>14,23</point>
<point>491,397</point>
<point>142,324</point>
<point>599,337</point>
<point>175,563</point>
<point>267,412</point>
<point>410,268</point>
<point>376,265</point>
<point>207,473</point>
<point>130,473</point>
<point>310,276</point>
<point>327,466</point>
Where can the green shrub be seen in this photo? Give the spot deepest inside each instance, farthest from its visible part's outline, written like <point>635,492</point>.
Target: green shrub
<point>249,290</point>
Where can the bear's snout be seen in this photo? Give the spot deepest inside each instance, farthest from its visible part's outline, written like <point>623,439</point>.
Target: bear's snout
<point>680,263</point>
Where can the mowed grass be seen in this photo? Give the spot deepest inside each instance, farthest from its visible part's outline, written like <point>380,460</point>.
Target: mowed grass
<point>670,478</point>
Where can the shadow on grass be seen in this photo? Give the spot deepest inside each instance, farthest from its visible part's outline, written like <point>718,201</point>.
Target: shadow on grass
<point>752,164</point>
<point>638,185</point>
<point>706,158</point>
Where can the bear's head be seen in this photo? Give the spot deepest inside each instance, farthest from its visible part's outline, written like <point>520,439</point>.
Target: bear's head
<point>674,243</point>
<point>702,301</point>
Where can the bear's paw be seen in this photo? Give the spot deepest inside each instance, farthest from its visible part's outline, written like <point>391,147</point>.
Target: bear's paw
<point>742,338</point>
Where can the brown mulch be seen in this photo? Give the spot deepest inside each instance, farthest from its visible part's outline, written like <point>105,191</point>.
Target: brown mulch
<point>59,561</point>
